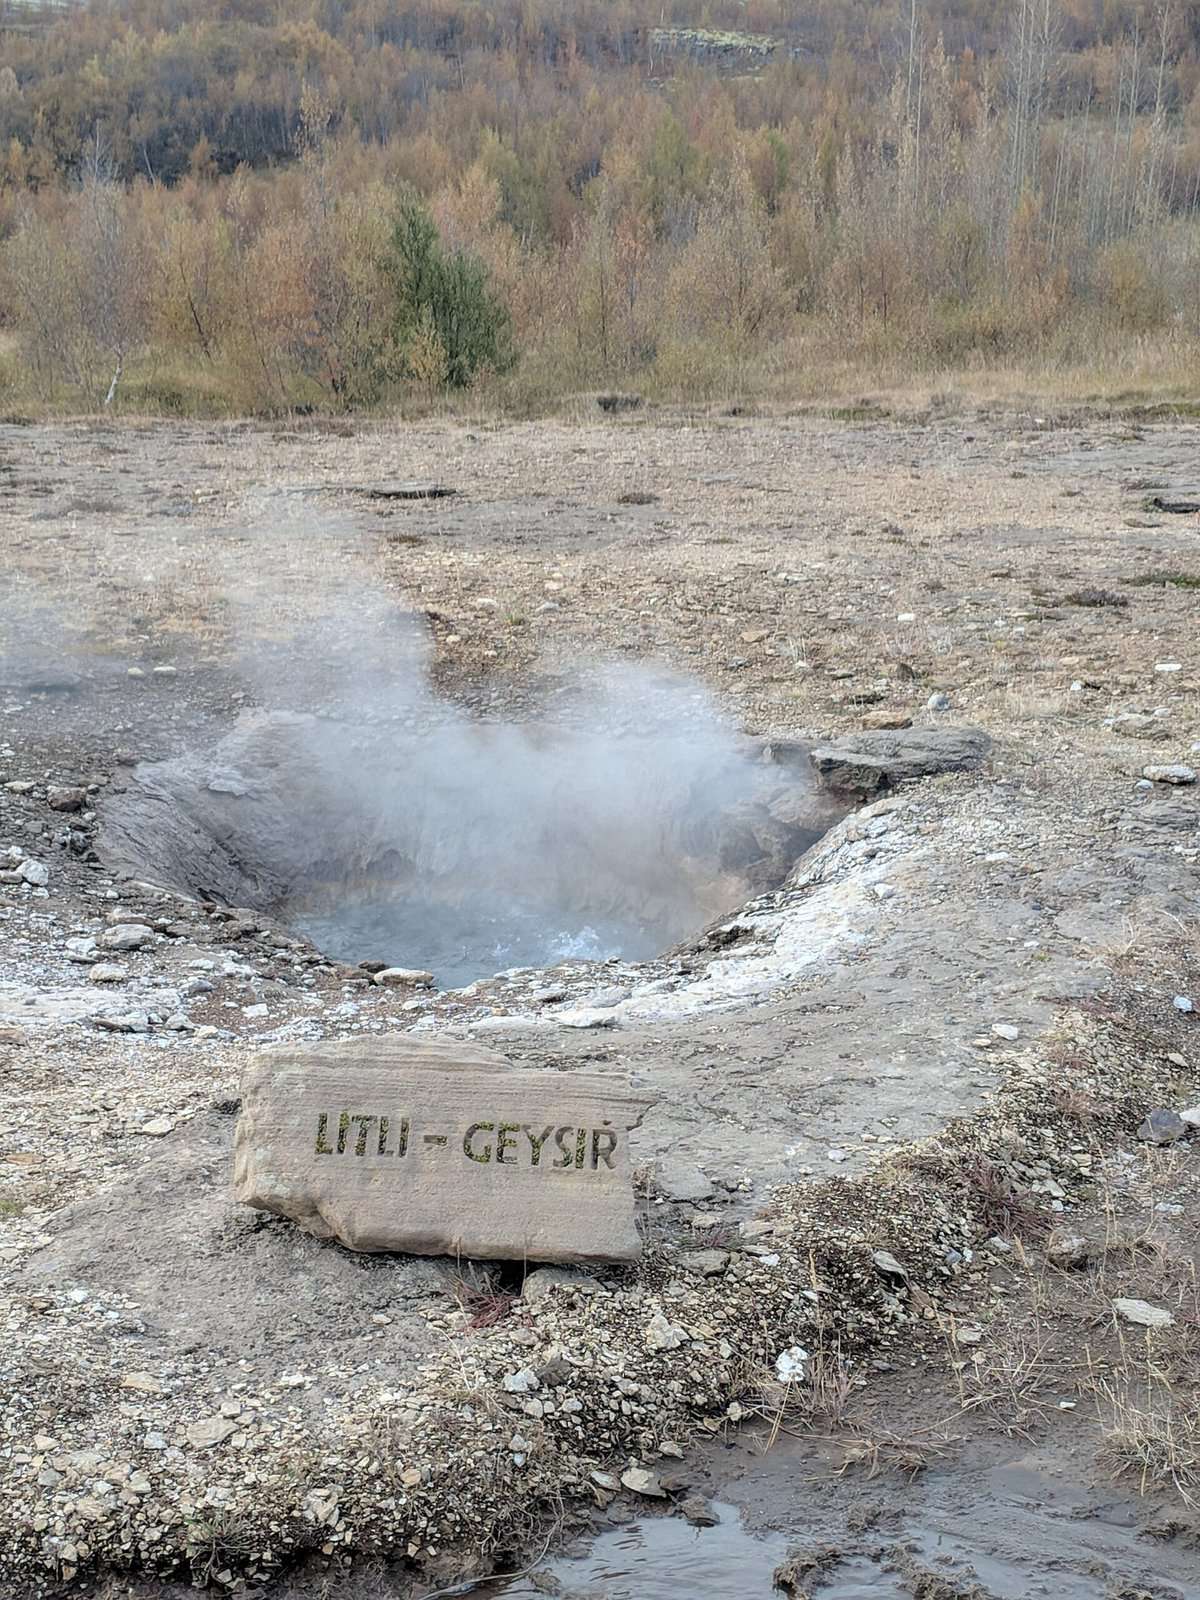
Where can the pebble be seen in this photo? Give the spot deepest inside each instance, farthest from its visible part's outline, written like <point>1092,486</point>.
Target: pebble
<point>1163,1127</point>
<point>938,702</point>
<point>108,972</point>
<point>1142,1314</point>
<point>1005,1030</point>
<point>791,1364</point>
<point>1176,774</point>
<point>664,1335</point>
<point>1184,1003</point>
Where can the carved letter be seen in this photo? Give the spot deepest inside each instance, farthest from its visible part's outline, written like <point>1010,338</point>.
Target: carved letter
<point>324,1148</point>
<point>360,1148</point>
<point>503,1142</point>
<point>567,1157</point>
<point>580,1146</point>
<point>599,1155</point>
<point>343,1130</point>
<point>536,1142</point>
<point>478,1127</point>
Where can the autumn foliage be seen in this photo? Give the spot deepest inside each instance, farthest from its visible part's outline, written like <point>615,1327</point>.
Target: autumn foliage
<point>253,205</point>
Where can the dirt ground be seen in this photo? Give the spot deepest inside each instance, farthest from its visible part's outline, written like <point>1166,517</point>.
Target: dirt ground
<point>1002,571</point>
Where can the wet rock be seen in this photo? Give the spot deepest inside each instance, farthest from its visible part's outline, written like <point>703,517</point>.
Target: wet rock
<point>127,936</point>
<point>1176,774</point>
<point>699,1512</point>
<point>865,763</point>
<point>1142,1314</point>
<point>1163,1127</point>
<point>60,798</point>
<point>641,1481</point>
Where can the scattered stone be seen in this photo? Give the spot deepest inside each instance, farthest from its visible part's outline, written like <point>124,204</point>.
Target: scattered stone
<point>157,1127</point>
<point>59,798</point>
<point>435,1147</point>
<point>1066,1249</point>
<point>887,719</point>
<point>865,763</point>
<point>1136,725</point>
<point>34,873</point>
<point>1176,774</point>
<point>887,1264</point>
<point>1141,1313</point>
<point>791,1364</point>
<point>707,1263</point>
<point>1163,1127</point>
<point>1191,1116</point>
<point>127,936</point>
<point>640,1481</point>
<point>1184,1003</point>
<point>523,1382</point>
<point>664,1335</point>
<point>938,702</point>
<point>128,1022</point>
<point>108,972</point>
<point>539,1283</point>
<point>142,1382</point>
<point>1005,1030</point>
<point>210,1431</point>
<point>680,1180</point>
<point>403,978</point>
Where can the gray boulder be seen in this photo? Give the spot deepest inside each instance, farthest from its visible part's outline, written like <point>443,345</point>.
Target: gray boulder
<point>877,759</point>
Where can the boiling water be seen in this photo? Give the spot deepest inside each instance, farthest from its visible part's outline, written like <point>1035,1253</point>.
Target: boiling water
<point>460,941</point>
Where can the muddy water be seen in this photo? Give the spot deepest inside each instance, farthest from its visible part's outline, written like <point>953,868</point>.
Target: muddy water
<point>1002,1523</point>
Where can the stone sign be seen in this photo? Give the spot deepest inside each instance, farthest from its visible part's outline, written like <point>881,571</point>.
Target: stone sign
<point>439,1148</point>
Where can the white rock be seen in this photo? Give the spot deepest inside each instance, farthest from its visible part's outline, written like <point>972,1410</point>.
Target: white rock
<point>209,1431</point>
<point>1005,1030</point>
<point>157,1127</point>
<point>127,936</point>
<point>35,873</point>
<point>1176,774</point>
<point>108,972</point>
<point>938,702</point>
<point>791,1364</point>
<point>1183,1003</point>
<point>403,977</point>
<point>663,1335</point>
<point>523,1382</point>
<point>643,1482</point>
<point>1168,666</point>
<point>1143,1314</point>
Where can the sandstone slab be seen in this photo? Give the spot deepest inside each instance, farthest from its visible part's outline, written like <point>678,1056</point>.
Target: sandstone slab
<point>439,1148</point>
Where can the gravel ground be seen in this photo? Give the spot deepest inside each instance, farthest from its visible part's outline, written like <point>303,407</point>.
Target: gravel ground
<point>191,1387</point>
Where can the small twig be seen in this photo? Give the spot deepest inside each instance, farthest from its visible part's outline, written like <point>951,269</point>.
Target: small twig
<point>468,1584</point>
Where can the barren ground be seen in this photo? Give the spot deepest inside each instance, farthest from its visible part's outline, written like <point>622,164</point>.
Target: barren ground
<point>810,573</point>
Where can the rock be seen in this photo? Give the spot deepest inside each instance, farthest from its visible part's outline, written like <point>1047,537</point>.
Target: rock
<point>1191,1116</point>
<point>157,1127</point>
<point>435,1147</point>
<point>128,1022</point>
<point>539,1283</point>
<point>403,978</point>
<point>1184,1003</point>
<point>664,1335</point>
<point>887,1264</point>
<point>887,719</point>
<point>699,1512</point>
<point>81,950</point>
<point>640,1481</point>
<point>938,702</point>
<point>108,972</point>
<point>210,1431</point>
<point>34,873</point>
<point>1005,1030</point>
<point>63,799</point>
<point>1163,1127</point>
<point>523,1382</point>
<point>1136,725</point>
<point>791,1364</point>
<point>680,1180</point>
<point>865,763</point>
<point>585,1017</point>
<point>1142,1314</point>
<point>1066,1249</point>
<point>127,936</point>
<point>1177,774</point>
<point>706,1263</point>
